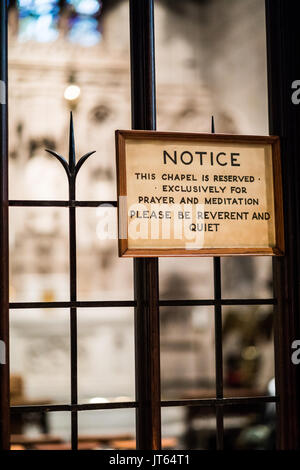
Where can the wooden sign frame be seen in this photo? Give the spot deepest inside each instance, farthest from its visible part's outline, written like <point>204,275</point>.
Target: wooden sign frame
<point>274,141</point>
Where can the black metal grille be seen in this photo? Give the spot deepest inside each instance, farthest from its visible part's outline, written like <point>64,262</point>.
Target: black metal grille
<point>217,302</point>
<point>217,404</point>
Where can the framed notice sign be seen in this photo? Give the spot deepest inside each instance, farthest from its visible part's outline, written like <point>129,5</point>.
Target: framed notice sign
<point>198,194</point>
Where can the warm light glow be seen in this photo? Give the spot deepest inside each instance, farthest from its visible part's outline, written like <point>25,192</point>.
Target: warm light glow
<point>98,400</point>
<point>72,93</point>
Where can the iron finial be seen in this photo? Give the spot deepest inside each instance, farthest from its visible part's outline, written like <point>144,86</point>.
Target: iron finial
<point>213,125</point>
<point>71,168</point>
<point>72,157</point>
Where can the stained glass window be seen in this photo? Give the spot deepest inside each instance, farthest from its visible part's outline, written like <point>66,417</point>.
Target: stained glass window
<point>86,7</point>
<point>39,20</point>
<point>84,28</point>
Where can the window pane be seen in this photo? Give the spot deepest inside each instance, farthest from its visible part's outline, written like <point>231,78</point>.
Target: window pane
<point>105,355</point>
<point>248,350</point>
<point>39,356</point>
<point>250,427</point>
<point>41,431</point>
<point>39,254</point>
<point>247,277</point>
<point>186,278</point>
<point>112,277</point>
<point>203,66</point>
<point>187,352</point>
<point>189,428</point>
<point>108,429</point>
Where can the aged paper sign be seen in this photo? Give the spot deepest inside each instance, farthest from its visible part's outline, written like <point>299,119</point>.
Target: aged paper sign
<point>198,194</point>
